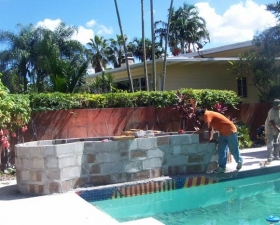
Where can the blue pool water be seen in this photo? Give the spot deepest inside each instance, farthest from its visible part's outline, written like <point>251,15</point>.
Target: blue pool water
<point>246,201</point>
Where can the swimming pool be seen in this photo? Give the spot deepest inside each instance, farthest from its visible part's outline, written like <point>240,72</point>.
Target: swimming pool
<point>246,201</point>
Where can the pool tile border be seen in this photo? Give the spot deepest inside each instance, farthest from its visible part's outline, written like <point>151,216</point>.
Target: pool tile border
<point>166,184</point>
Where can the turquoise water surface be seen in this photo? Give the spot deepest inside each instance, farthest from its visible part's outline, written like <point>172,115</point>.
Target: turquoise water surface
<point>246,201</point>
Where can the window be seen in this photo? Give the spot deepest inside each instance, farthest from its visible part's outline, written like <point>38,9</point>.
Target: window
<point>139,84</point>
<point>242,87</point>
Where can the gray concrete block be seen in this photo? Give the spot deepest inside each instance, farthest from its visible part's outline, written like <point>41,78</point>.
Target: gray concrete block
<point>49,150</point>
<point>89,147</point>
<point>132,144</point>
<point>65,149</point>
<point>176,149</point>
<point>70,172</point>
<point>177,160</point>
<point>152,163</point>
<point>146,143</point>
<point>111,168</point>
<point>35,152</point>
<point>190,149</point>
<point>133,167</point>
<point>67,161</point>
<point>38,163</point>
<point>155,153</point>
<point>109,146</point>
<point>51,162</point>
<point>107,157</point>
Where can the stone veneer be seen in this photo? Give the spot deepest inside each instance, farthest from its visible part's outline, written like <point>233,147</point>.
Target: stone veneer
<point>45,167</point>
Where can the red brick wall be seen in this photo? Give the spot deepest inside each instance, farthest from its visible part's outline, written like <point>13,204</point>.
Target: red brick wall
<point>81,123</point>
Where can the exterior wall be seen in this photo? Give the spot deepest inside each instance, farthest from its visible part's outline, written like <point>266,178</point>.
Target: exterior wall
<point>207,76</point>
<point>46,167</point>
<point>197,75</point>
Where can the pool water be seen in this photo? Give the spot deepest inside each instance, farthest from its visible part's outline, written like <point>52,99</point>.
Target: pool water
<point>246,201</point>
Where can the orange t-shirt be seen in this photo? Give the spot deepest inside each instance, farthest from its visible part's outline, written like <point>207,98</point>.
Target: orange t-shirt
<point>220,123</point>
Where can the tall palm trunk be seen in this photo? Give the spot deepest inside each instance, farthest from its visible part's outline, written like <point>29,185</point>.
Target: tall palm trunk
<point>125,49</point>
<point>144,46</point>
<point>153,47</point>
<point>165,47</point>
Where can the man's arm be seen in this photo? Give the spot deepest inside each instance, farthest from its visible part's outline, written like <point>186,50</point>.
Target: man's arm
<point>273,124</point>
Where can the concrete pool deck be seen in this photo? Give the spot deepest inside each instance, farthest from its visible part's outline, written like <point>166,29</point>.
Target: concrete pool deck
<point>69,208</point>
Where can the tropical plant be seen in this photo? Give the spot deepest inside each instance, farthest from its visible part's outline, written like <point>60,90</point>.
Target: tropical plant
<point>186,29</point>
<point>274,8</point>
<point>98,53</point>
<point>262,64</point>
<point>137,50</point>
<point>30,54</point>
<point>15,113</point>
<point>102,84</point>
<point>17,58</point>
<point>187,107</point>
<point>116,50</point>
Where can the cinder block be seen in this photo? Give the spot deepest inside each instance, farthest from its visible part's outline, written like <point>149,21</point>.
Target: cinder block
<point>133,167</point>
<point>155,153</point>
<point>146,143</point>
<point>67,161</point>
<point>51,162</point>
<point>107,146</point>
<point>107,157</point>
<point>190,149</point>
<point>152,163</point>
<point>49,150</point>
<point>70,172</point>
<point>111,168</point>
<point>38,163</point>
<point>65,149</point>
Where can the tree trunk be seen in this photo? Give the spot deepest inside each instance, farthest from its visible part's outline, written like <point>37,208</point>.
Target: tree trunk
<point>144,47</point>
<point>153,47</point>
<point>165,47</point>
<point>125,49</point>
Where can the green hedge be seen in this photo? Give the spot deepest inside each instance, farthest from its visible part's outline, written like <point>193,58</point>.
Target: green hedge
<point>60,101</point>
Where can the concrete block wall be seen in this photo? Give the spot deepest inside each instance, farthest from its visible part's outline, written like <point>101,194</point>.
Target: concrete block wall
<point>46,167</point>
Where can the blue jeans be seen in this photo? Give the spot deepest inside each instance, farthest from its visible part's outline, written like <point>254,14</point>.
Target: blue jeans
<point>226,143</point>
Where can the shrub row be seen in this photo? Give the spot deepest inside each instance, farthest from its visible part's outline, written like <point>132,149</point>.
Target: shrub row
<point>60,101</point>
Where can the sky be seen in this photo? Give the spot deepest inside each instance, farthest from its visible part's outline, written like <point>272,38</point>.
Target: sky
<point>228,21</point>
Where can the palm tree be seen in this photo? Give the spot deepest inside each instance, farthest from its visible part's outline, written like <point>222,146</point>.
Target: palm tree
<point>186,29</point>
<point>144,46</point>
<point>125,50</point>
<point>31,53</point>
<point>274,8</point>
<point>16,59</point>
<point>165,47</point>
<point>137,50</point>
<point>98,53</point>
<point>116,50</point>
<point>153,47</point>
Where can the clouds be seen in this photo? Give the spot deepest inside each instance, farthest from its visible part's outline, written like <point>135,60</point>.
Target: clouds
<point>238,23</point>
<point>84,34</point>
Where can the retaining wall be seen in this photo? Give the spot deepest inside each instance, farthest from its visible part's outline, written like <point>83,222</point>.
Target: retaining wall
<point>45,167</point>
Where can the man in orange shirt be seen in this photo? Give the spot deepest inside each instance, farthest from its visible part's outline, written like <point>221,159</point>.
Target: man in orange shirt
<point>227,139</point>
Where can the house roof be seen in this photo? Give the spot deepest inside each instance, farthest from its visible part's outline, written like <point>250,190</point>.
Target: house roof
<point>221,54</point>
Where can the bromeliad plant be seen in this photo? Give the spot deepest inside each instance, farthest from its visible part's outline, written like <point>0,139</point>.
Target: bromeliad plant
<point>186,107</point>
